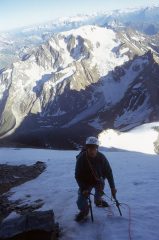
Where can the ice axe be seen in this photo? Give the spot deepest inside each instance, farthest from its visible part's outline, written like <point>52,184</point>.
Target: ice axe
<point>90,206</point>
<point>116,202</point>
<point>118,205</point>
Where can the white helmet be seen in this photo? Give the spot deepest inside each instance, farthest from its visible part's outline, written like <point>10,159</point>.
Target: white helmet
<point>92,141</point>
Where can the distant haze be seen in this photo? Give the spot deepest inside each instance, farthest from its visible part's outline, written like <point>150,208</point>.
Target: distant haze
<point>19,13</point>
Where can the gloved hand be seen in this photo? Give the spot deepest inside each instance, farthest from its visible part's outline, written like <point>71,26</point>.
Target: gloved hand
<point>85,193</point>
<point>113,191</point>
<point>102,193</point>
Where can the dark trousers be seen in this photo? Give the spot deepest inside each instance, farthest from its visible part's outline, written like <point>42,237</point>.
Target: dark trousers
<point>82,201</point>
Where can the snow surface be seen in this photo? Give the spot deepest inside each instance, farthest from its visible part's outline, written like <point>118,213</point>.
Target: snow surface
<point>4,83</point>
<point>137,180</point>
<point>135,38</point>
<point>140,139</point>
<point>133,117</point>
<point>89,111</point>
<point>104,41</point>
<point>124,50</point>
<point>113,91</point>
<point>96,123</point>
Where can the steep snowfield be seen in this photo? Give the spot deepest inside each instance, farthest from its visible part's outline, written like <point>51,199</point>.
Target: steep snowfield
<point>103,42</point>
<point>100,42</point>
<point>140,139</point>
<point>137,180</point>
<point>113,91</point>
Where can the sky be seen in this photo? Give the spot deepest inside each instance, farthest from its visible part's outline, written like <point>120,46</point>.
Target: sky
<point>19,13</point>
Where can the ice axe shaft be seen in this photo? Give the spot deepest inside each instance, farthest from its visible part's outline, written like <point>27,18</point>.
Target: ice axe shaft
<point>118,206</point>
<point>90,206</point>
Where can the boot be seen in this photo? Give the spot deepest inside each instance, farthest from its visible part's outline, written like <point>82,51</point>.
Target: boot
<point>82,215</point>
<point>101,203</point>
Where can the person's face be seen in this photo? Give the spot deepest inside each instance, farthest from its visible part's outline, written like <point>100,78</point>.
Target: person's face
<point>92,151</point>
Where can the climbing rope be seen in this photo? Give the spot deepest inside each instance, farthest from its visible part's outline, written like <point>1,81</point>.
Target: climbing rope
<point>130,216</point>
<point>130,219</point>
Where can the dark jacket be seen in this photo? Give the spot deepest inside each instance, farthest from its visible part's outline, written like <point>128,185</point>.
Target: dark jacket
<point>101,167</point>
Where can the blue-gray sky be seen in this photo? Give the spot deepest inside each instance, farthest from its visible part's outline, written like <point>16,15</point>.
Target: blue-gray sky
<point>17,13</point>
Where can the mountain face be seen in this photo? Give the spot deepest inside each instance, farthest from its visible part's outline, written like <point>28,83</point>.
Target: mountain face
<point>14,45</point>
<point>79,83</point>
<point>144,19</point>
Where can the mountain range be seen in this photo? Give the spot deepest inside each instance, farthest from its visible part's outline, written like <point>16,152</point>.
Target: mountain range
<point>81,82</point>
<point>16,43</point>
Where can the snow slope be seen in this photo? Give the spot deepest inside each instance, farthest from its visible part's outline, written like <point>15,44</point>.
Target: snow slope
<point>137,181</point>
<point>103,42</point>
<point>140,139</point>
